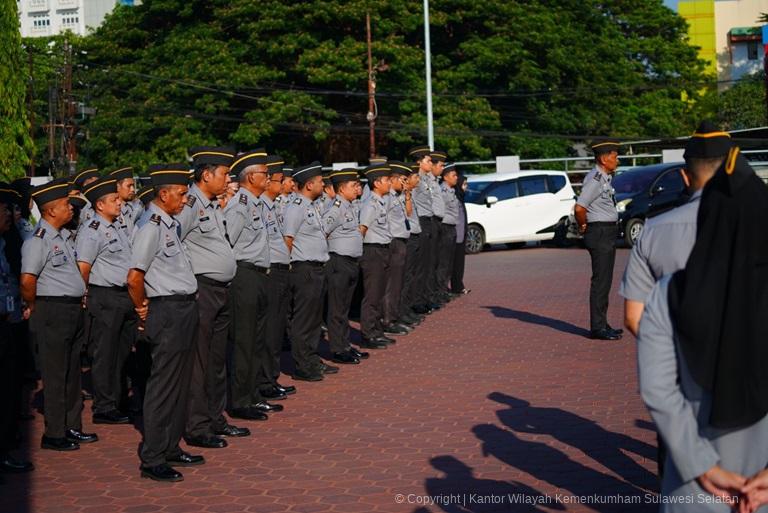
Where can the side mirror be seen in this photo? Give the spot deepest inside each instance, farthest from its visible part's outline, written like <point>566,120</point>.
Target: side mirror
<point>491,200</point>
<point>657,189</point>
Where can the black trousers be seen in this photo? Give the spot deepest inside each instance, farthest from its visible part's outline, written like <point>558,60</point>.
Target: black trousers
<point>170,331</point>
<point>398,253</point>
<point>426,260</point>
<point>113,332</point>
<point>342,272</point>
<point>208,387</point>
<point>11,367</point>
<point>375,266</point>
<point>307,289</point>
<point>411,280</point>
<point>248,303</point>
<point>445,253</point>
<point>457,272</point>
<point>279,299</point>
<point>435,290</point>
<point>600,241</point>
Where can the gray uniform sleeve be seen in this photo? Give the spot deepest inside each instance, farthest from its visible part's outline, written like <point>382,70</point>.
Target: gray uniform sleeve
<point>33,256</point>
<point>638,278</point>
<point>145,246</point>
<point>87,245</point>
<point>187,220</point>
<point>292,219</point>
<point>368,214</point>
<point>332,218</point>
<point>661,392</point>
<point>590,191</point>
<point>236,218</point>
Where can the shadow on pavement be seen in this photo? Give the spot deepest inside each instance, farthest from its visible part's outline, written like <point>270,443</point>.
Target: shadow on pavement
<point>532,318</point>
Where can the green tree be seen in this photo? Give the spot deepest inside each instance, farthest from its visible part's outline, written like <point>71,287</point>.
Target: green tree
<point>743,104</point>
<point>15,142</point>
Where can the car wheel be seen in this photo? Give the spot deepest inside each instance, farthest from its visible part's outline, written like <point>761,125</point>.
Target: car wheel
<point>475,239</point>
<point>633,230</point>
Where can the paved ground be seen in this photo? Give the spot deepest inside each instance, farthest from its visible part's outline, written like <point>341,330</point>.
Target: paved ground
<point>499,397</point>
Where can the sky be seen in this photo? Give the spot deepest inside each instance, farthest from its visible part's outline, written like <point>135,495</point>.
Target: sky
<point>672,4</point>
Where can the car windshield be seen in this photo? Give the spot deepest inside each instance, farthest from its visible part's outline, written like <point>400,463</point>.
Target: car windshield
<point>475,192</point>
<point>634,180</point>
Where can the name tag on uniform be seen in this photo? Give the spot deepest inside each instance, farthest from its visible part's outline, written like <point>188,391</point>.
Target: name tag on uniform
<point>10,304</point>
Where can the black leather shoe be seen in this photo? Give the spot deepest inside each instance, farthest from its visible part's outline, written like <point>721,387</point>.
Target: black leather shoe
<point>59,444</point>
<point>207,442</point>
<point>246,414</point>
<point>73,435</point>
<point>232,431</point>
<point>286,389</point>
<point>265,407</point>
<point>618,331</point>
<point>307,376</point>
<point>360,355</point>
<point>604,334</point>
<point>422,309</point>
<point>162,472</point>
<point>346,358</point>
<point>435,306</point>
<point>396,329</point>
<point>373,344</point>
<point>10,464</point>
<point>328,369</point>
<point>185,460</point>
<point>386,339</point>
<point>273,394</point>
<point>111,417</point>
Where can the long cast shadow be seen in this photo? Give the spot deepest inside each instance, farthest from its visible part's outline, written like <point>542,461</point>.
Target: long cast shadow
<point>532,318</point>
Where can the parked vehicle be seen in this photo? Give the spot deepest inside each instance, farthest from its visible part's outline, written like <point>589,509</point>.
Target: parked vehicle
<point>514,208</point>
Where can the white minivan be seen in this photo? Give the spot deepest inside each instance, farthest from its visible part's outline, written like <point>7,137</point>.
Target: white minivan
<point>514,208</point>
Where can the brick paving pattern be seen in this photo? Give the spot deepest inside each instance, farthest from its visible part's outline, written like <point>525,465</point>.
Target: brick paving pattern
<point>498,397</point>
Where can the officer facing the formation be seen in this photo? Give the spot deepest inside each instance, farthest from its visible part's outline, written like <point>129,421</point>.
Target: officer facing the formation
<point>305,238</point>
<point>597,218</point>
<point>204,234</point>
<point>400,207</point>
<point>249,295</point>
<point>126,189</point>
<point>278,285</point>
<point>104,258</point>
<point>446,249</point>
<point>422,200</point>
<point>345,247</point>
<point>53,290</point>
<point>163,290</point>
<point>374,225</point>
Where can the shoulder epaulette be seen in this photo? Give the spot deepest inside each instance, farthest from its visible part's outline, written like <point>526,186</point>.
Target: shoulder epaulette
<point>297,201</point>
<point>596,177</point>
<point>191,200</point>
<point>243,199</point>
<point>155,219</point>
<point>40,232</point>
<point>94,224</point>
<point>337,203</point>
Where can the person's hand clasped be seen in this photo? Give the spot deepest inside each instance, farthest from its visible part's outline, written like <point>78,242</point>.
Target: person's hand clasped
<point>754,492</point>
<point>142,310</point>
<point>724,484</point>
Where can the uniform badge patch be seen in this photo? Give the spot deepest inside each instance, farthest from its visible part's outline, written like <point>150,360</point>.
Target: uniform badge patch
<point>243,199</point>
<point>94,224</point>
<point>40,232</point>
<point>337,203</point>
<point>155,219</point>
<point>297,201</point>
<point>191,200</point>
<point>596,177</point>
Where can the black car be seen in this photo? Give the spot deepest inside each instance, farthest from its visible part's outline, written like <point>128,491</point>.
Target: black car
<point>645,191</point>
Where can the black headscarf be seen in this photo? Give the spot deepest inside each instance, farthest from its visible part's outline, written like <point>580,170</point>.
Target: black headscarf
<point>459,187</point>
<point>719,302</point>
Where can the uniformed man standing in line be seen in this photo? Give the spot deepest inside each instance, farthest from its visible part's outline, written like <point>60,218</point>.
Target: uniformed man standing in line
<point>53,290</point>
<point>104,258</point>
<point>408,300</point>
<point>439,292</point>
<point>126,190</point>
<point>447,248</point>
<point>597,219</point>
<point>163,289</point>
<point>249,294</point>
<point>278,285</point>
<point>287,190</point>
<point>306,241</point>
<point>329,195</point>
<point>203,232</point>
<point>422,200</point>
<point>374,225</point>
<point>400,207</point>
<point>345,246</point>
<point>79,181</point>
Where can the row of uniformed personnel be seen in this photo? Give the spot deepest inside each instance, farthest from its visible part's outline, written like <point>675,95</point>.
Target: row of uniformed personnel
<point>190,268</point>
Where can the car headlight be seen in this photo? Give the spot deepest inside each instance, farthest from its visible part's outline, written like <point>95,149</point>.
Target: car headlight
<point>621,206</point>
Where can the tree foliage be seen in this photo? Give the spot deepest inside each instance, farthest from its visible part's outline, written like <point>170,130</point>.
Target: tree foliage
<point>742,105</point>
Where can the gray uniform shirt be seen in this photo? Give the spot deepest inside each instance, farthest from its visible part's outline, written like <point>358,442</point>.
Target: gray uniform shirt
<point>131,212</point>
<point>422,196</point>
<point>26,229</point>
<point>86,214</point>
<point>50,256</point>
<point>107,248</point>
<point>343,228</point>
<point>597,196</point>
<point>451,203</point>
<point>157,250</point>
<point>399,225</point>
<point>663,248</point>
<point>247,232</point>
<point>278,251</point>
<point>373,215</point>
<point>203,232</point>
<point>413,219</point>
<point>680,408</point>
<point>304,223</point>
<point>438,203</point>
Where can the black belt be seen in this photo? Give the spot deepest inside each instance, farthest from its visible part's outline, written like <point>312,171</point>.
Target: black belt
<point>415,235</point>
<point>253,267</point>
<point>603,223</point>
<point>282,267</point>
<point>308,262</point>
<point>116,288</point>
<point>212,282</point>
<point>174,297</point>
<point>60,299</point>
<point>404,239</point>
<point>376,245</point>
<point>345,257</point>
<point>437,218</point>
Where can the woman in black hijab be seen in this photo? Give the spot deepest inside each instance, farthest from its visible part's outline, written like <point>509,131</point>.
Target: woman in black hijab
<point>457,273</point>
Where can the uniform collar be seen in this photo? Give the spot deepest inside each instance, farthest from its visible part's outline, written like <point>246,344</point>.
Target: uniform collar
<point>207,203</point>
<point>250,195</point>
<point>602,172</point>
<point>696,195</point>
<point>267,200</point>
<point>106,221</point>
<point>169,221</point>
<point>49,229</point>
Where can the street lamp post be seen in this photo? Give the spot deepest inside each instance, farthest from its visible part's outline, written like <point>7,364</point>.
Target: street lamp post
<point>428,59</point>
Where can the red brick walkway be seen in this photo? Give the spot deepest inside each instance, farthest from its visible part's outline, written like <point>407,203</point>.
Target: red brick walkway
<point>498,397</point>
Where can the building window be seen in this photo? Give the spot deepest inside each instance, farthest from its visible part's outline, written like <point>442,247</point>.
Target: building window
<point>752,48</point>
<point>40,22</point>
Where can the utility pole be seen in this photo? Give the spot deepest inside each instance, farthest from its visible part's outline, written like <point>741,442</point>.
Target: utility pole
<point>428,62</point>
<point>70,129</point>
<point>371,116</point>
<point>31,109</point>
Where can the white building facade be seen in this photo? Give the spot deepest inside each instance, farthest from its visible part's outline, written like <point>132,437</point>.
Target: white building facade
<point>40,18</point>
